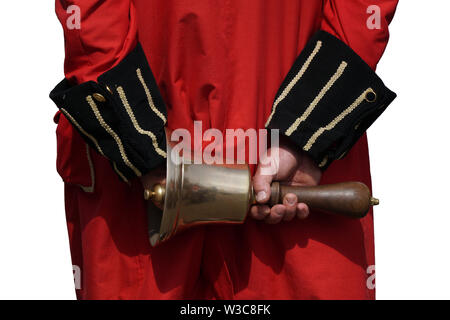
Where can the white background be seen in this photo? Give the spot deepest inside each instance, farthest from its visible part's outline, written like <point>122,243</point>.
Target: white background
<point>408,147</point>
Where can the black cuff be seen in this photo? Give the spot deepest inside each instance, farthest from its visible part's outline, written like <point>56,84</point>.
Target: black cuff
<point>122,116</point>
<point>328,99</point>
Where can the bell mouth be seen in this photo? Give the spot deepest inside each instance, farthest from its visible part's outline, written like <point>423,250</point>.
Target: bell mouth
<point>162,223</point>
<point>199,194</point>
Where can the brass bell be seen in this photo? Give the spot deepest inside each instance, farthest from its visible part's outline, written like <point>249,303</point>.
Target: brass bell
<point>199,193</point>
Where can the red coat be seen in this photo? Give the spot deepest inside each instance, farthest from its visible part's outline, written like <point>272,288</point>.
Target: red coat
<point>221,62</point>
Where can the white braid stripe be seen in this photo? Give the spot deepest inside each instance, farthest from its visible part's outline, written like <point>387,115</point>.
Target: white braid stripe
<point>294,81</point>
<point>324,162</point>
<point>149,97</point>
<point>119,173</point>
<point>318,98</point>
<point>113,134</point>
<point>125,103</point>
<point>67,114</point>
<point>336,120</point>
<point>89,189</point>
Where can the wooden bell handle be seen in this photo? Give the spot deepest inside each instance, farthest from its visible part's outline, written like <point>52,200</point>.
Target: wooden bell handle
<point>350,199</point>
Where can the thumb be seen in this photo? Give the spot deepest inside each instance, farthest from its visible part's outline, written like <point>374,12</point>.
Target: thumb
<point>261,184</point>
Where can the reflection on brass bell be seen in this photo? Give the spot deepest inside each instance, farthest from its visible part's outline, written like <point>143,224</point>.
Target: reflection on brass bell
<point>199,193</point>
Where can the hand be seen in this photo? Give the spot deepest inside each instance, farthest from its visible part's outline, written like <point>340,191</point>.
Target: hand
<point>291,166</point>
<point>155,176</point>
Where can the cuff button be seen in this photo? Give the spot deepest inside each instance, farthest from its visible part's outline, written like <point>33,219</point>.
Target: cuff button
<point>99,97</point>
<point>371,96</point>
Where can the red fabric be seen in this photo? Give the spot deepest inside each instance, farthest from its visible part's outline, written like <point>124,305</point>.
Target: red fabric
<point>222,63</point>
<point>72,161</point>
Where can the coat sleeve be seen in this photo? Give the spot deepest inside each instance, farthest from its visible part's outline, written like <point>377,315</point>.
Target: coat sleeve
<point>361,24</point>
<point>332,95</point>
<point>109,93</point>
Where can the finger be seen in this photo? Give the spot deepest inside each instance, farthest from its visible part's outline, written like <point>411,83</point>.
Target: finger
<point>302,211</point>
<point>290,202</point>
<point>277,213</point>
<point>259,212</point>
<point>261,186</point>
